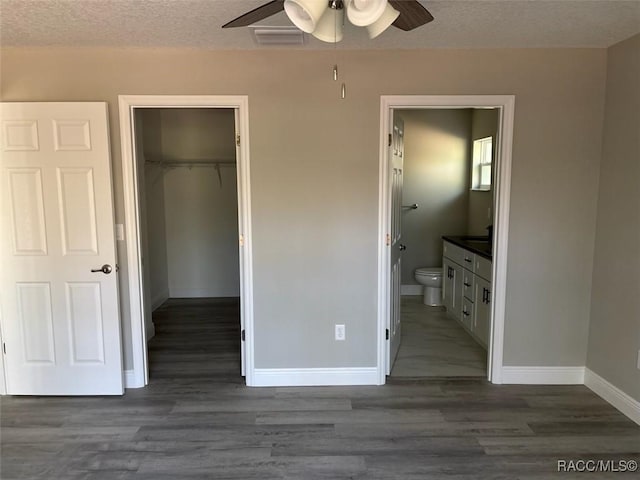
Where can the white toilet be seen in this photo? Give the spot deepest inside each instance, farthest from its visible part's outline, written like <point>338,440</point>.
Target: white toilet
<point>431,278</point>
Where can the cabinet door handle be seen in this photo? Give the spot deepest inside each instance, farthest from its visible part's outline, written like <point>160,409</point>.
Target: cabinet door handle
<point>486,296</point>
<point>467,260</point>
<point>467,284</point>
<point>465,313</point>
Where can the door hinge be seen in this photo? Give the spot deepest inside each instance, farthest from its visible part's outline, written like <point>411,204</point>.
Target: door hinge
<point>241,240</point>
<point>388,240</point>
<point>238,140</point>
<point>242,335</point>
<point>387,334</point>
<point>390,139</point>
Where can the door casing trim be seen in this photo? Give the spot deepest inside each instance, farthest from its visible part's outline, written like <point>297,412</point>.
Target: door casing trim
<point>138,376</point>
<point>506,104</point>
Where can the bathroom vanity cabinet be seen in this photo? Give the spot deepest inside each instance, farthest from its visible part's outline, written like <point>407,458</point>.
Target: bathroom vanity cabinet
<point>466,289</point>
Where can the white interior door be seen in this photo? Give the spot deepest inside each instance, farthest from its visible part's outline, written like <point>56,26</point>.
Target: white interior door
<point>396,180</point>
<point>60,319</point>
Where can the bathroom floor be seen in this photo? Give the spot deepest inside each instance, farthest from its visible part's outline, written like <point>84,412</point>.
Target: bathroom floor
<point>434,345</point>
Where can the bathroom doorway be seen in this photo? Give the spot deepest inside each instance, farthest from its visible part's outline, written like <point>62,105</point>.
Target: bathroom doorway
<point>443,196</point>
<point>439,199</point>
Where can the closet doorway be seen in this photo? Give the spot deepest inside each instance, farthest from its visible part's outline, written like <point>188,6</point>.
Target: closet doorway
<point>188,249</point>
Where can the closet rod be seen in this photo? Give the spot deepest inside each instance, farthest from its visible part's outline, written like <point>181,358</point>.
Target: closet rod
<point>192,163</point>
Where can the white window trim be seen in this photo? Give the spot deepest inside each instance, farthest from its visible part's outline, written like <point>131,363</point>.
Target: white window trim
<point>476,166</point>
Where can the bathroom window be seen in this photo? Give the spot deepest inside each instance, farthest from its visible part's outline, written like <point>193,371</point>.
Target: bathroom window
<point>482,155</point>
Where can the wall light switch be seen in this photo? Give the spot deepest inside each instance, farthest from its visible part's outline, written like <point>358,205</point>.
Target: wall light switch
<point>340,332</point>
<point>119,231</point>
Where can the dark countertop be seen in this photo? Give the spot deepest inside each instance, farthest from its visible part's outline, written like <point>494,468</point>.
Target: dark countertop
<point>476,244</point>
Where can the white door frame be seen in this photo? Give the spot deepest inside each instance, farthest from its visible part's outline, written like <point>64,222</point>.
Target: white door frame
<point>3,384</point>
<point>506,104</point>
<point>139,376</point>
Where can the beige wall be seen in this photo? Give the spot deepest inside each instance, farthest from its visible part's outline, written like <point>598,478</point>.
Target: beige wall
<point>194,134</point>
<point>614,337</point>
<point>156,253</point>
<point>155,247</point>
<point>202,232</point>
<point>314,167</point>
<point>436,177</point>
<point>198,231</point>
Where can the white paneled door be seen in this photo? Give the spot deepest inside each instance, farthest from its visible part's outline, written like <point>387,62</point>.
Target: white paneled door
<point>59,294</point>
<point>396,172</point>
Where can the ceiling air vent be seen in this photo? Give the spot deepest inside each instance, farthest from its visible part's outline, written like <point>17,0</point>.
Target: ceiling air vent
<point>278,36</point>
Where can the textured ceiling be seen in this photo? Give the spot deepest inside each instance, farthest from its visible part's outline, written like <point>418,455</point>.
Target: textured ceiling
<point>196,23</point>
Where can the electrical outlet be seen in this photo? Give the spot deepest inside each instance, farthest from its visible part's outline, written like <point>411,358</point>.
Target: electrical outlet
<point>340,332</point>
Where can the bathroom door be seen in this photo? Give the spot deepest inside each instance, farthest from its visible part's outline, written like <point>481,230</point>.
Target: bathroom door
<point>395,241</point>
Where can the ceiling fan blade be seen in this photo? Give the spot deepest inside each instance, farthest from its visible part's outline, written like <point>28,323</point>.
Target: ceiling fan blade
<point>412,14</point>
<point>256,14</point>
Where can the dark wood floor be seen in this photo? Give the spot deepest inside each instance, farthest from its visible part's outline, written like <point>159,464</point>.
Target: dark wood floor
<point>196,420</point>
<point>196,338</point>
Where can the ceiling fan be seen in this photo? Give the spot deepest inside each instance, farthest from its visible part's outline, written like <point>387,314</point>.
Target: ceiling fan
<point>324,19</point>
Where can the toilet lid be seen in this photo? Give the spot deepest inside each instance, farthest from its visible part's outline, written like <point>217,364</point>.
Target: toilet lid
<point>429,271</point>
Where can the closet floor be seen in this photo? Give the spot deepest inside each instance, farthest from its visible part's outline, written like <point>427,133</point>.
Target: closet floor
<point>434,345</point>
<point>196,337</point>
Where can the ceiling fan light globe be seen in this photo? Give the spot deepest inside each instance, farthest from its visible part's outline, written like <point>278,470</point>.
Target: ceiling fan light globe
<point>305,14</point>
<point>363,13</point>
<point>389,16</point>
<point>329,28</point>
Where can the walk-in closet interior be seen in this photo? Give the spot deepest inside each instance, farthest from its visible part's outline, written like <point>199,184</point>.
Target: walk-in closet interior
<point>189,231</point>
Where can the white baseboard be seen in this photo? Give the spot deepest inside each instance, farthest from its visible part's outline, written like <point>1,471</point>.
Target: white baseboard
<point>201,293</point>
<point>297,377</point>
<point>543,375</point>
<point>411,290</point>
<point>612,394</point>
<point>131,380</point>
<point>159,299</point>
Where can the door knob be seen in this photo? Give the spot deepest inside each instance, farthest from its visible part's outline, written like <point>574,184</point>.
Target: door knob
<point>106,269</point>
<point>402,247</point>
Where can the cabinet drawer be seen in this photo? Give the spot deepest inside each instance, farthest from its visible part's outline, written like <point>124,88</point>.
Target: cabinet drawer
<point>454,252</point>
<point>482,267</point>
<point>468,284</point>
<point>468,259</point>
